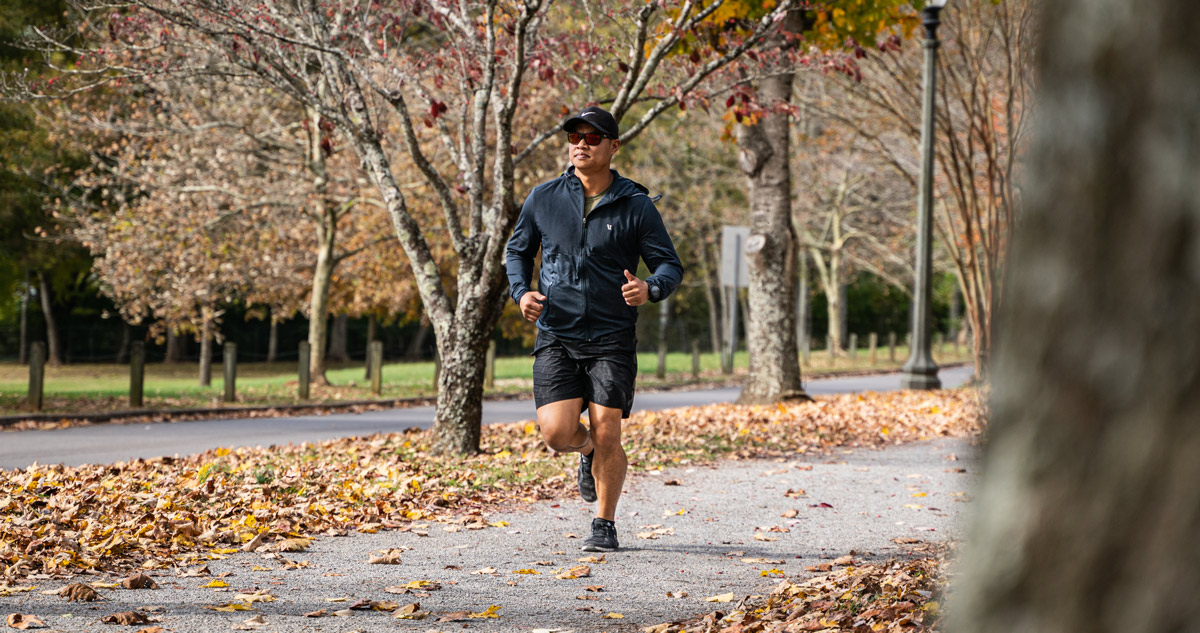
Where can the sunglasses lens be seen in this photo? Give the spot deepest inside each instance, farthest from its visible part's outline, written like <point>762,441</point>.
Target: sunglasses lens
<point>590,139</point>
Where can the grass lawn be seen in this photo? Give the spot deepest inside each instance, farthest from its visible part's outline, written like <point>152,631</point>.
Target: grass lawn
<point>105,387</point>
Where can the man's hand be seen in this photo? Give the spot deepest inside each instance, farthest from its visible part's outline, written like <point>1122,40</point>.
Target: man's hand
<point>635,291</point>
<point>531,305</point>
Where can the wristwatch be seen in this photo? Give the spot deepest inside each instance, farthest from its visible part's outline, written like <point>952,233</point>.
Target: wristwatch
<point>655,292</point>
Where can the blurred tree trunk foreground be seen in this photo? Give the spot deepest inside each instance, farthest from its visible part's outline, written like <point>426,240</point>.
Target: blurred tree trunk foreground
<point>1089,508</point>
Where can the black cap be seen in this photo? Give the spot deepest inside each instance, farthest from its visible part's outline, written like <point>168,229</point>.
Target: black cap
<point>596,117</point>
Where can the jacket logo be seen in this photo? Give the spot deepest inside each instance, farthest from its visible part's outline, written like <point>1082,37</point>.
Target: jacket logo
<point>610,227</point>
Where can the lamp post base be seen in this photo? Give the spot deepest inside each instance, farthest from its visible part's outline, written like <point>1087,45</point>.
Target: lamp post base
<point>924,378</point>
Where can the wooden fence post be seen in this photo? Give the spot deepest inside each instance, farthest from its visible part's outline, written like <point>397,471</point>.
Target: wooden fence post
<point>375,362</point>
<point>230,372</point>
<point>304,359</point>
<point>892,346</point>
<point>805,348</point>
<point>829,347</point>
<point>661,372</point>
<point>137,373</point>
<point>489,370</point>
<point>695,359</point>
<point>872,344</point>
<point>37,373</point>
<point>853,347</point>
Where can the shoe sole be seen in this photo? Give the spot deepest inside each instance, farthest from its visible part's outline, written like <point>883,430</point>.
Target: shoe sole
<point>597,548</point>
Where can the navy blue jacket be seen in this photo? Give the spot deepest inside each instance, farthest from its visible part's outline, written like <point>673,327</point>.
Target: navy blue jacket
<point>584,259</point>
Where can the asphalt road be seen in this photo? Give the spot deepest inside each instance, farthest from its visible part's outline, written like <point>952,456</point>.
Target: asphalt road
<point>107,443</point>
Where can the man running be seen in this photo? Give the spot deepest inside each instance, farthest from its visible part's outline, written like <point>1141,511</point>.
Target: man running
<point>592,225</point>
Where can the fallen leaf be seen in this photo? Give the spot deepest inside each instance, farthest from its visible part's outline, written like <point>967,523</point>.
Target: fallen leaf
<point>819,567</point>
<point>906,540</point>
<point>485,570</point>
<point>592,559</point>
<point>528,571</point>
<point>844,561</point>
<point>790,514</point>
<point>215,584</point>
<point>596,588</point>
<point>99,584</point>
<point>612,616</point>
<point>725,597</point>
<point>319,613</point>
<point>126,618</point>
<point>78,591</point>
<point>195,571</point>
<point>795,494</point>
<point>251,598</point>
<point>672,482</point>
<point>411,612</point>
<point>290,545</point>
<point>386,557</point>
<point>152,629</point>
<point>251,623</point>
<point>774,573</point>
<point>344,613</point>
<point>230,607</point>
<point>139,581</point>
<point>579,571</point>
<point>341,599</point>
<point>490,612</point>
<point>763,561</point>
<point>759,536</point>
<point>8,591</point>
<point>24,621</point>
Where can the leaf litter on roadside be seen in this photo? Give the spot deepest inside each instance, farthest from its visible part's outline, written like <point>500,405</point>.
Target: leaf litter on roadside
<point>176,512</point>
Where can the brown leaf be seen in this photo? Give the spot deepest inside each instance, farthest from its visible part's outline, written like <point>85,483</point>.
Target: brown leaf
<point>386,557</point>
<point>24,621</point>
<point>139,581</point>
<point>79,591</point>
<point>579,571</point>
<point>319,613</point>
<point>126,618</point>
<point>844,561</point>
<point>152,629</point>
<point>790,514</point>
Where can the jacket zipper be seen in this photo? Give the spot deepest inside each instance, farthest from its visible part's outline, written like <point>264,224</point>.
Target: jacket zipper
<point>582,262</point>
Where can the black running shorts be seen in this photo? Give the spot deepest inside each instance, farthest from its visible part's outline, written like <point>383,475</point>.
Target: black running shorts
<point>601,371</point>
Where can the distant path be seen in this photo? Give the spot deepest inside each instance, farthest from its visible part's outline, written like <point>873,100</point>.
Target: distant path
<point>107,443</point>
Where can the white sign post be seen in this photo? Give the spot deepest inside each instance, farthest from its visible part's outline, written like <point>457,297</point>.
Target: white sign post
<point>733,276</point>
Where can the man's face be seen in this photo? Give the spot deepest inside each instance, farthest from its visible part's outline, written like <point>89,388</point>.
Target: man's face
<point>588,157</point>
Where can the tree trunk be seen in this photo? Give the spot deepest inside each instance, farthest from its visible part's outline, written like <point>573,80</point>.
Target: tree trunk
<point>1088,511</point>
<point>273,340</point>
<point>770,252</point>
<point>843,312</point>
<point>460,394</point>
<point>53,343</point>
<point>123,350</point>
<point>338,351</point>
<point>372,327</point>
<point>23,351</point>
<point>803,328</point>
<point>174,347</point>
<point>206,345</point>
<point>326,220</point>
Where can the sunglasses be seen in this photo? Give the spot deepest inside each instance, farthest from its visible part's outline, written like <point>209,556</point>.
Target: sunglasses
<point>592,138</point>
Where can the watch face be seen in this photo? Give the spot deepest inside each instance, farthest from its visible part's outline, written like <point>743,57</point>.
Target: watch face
<point>654,291</point>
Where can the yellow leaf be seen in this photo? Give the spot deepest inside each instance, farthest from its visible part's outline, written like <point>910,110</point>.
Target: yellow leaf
<point>215,584</point>
<point>528,571</point>
<point>499,524</point>
<point>251,598</point>
<point>530,428</point>
<point>503,454</point>
<point>725,597</point>
<point>920,494</point>
<point>231,607</point>
<point>774,573</point>
<point>490,612</point>
<point>932,606</point>
<point>612,616</point>
<point>913,506</point>
<point>762,537</point>
<point>221,452</point>
<point>105,585</point>
<point>224,550</point>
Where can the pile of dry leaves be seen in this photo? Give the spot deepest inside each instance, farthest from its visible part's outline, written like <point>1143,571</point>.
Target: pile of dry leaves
<point>897,595</point>
<point>58,521</point>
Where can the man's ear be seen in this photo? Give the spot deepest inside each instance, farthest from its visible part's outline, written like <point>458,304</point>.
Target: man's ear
<point>616,143</point>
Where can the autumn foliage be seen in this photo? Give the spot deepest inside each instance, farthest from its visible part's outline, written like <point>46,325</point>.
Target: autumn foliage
<point>174,513</point>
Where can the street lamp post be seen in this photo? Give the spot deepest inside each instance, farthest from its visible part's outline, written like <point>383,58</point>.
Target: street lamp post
<point>920,372</point>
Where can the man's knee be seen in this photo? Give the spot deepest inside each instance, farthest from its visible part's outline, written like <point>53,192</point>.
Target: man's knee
<point>565,438</point>
<point>606,429</point>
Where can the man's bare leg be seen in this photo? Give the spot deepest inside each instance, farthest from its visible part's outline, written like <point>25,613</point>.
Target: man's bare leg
<point>609,463</point>
<point>561,429</point>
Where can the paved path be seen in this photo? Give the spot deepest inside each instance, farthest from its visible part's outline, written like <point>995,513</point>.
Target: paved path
<point>108,443</point>
<point>876,496</point>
